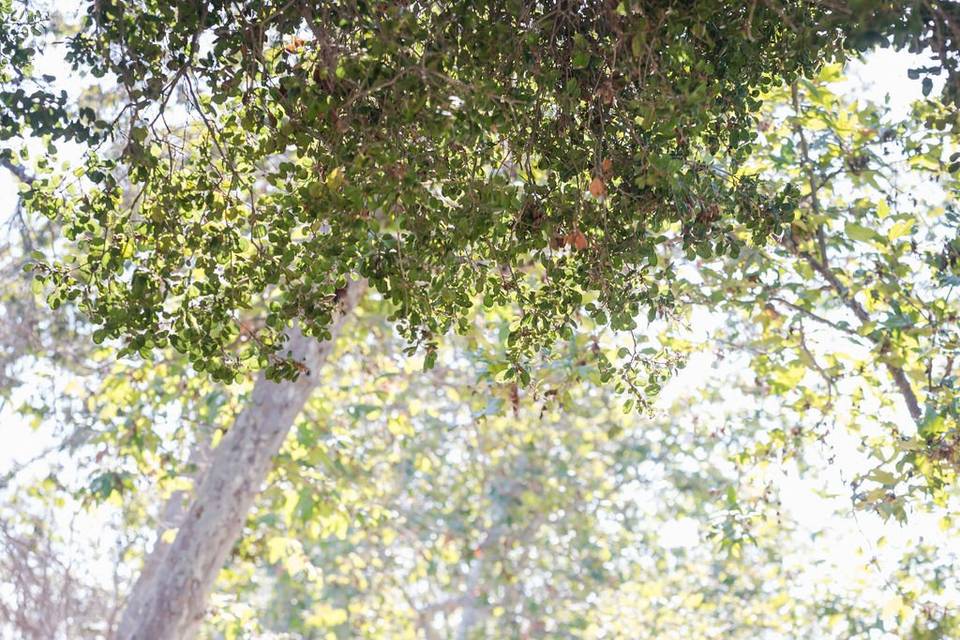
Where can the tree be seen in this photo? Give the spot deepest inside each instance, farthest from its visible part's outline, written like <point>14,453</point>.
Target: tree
<point>520,154</point>
<point>376,475</point>
<point>859,287</point>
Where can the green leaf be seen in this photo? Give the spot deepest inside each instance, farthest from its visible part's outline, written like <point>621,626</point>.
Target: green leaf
<point>858,232</point>
<point>902,228</point>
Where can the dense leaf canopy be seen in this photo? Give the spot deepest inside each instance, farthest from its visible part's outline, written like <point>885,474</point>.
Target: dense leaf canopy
<point>524,153</point>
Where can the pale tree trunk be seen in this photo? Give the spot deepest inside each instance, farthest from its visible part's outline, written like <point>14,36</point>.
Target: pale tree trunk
<point>169,599</point>
<point>171,517</point>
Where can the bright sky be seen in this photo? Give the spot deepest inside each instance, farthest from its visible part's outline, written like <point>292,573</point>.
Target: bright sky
<point>851,540</point>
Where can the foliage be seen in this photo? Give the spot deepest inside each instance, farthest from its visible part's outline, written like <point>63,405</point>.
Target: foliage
<point>563,184</point>
<point>850,312</point>
<point>29,106</point>
<point>527,154</point>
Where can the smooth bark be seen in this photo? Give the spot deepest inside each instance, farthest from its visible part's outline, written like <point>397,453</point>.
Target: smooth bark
<point>171,517</point>
<point>169,600</point>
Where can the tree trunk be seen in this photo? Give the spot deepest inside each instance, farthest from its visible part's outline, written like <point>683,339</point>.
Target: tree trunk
<point>171,517</point>
<point>169,601</point>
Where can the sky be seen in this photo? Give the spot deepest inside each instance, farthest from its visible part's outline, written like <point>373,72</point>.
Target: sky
<point>852,537</point>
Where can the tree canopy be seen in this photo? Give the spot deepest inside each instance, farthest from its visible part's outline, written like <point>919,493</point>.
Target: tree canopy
<point>533,154</point>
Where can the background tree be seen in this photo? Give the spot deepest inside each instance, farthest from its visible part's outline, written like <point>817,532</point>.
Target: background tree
<point>851,313</point>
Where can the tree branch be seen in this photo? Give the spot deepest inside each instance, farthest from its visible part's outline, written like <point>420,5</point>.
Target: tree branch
<point>814,316</point>
<point>808,169</point>
<point>822,267</point>
<point>19,172</point>
<point>897,373</point>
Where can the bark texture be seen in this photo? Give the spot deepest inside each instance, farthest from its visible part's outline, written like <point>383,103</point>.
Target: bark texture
<point>168,601</point>
<point>171,517</point>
